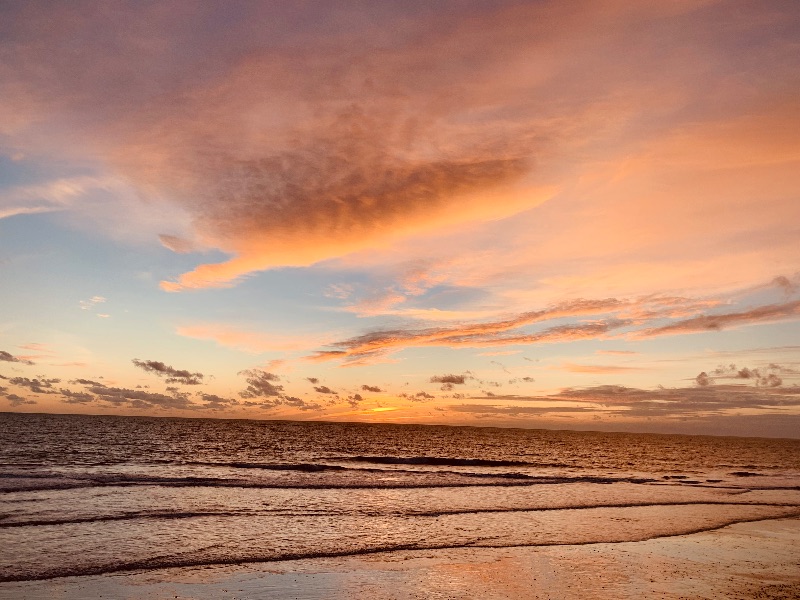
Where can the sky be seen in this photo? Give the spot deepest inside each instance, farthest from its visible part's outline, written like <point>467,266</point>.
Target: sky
<point>569,215</point>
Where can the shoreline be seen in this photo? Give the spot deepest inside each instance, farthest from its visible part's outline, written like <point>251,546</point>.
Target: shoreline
<point>756,559</point>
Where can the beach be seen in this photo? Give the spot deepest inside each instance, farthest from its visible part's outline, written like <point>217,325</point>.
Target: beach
<point>754,560</point>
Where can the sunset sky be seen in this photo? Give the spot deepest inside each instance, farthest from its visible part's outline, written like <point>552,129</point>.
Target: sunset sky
<point>538,214</point>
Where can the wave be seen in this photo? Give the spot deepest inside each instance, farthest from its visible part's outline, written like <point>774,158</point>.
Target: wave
<point>438,461</point>
<point>183,561</point>
<point>122,517</point>
<point>303,467</point>
<point>169,515</point>
<point>413,479</point>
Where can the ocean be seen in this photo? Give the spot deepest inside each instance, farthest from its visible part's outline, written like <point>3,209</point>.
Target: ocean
<point>90,495</point>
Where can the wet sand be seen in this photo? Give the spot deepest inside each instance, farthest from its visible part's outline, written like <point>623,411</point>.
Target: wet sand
<point>744,561</point>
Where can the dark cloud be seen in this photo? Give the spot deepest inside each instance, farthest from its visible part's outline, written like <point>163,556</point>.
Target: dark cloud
<point>313,380</point>
<point>70,397</point>
<point>141,399</point>
<point>454,379</point>
<point>448,381</point>
<point>300,404</point>
<point>16,400</point>
<point>214,402</point>
<point>418,397</point>
<point>284,400</point>
<point>7,357</point>
<point>260,384</point>
<point>371,388</point>
<point>324,389</point>
<point>769,376</point>
<point>86,382</point>
<point>171,374</point>
<point>37,386</point>
<point>354,400</point>
<point>703,379</point>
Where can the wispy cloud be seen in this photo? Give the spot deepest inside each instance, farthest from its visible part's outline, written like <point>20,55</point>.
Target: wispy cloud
<point>49,196</point>
<point>92,302</point>
<point>246,340</point>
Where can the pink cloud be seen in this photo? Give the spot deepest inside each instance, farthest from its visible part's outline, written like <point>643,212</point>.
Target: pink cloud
<point>763,314</point>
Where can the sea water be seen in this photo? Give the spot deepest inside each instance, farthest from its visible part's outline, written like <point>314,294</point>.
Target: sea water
<point>87,495</point>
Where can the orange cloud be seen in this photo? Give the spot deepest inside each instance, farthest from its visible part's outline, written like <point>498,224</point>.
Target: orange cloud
<point>387,138</point>
<point>368,348</point>
<point>616,313</point>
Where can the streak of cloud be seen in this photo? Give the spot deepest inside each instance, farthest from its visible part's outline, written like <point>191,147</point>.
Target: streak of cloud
<point>377,344</point>
<point>598,369</point>
<point>762,314</point>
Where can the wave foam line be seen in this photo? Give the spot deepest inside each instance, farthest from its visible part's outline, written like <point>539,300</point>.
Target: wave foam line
<point>159,563</point>
<point>168,515</point>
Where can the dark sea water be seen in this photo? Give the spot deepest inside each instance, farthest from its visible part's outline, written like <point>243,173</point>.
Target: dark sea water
<point>83,495</point>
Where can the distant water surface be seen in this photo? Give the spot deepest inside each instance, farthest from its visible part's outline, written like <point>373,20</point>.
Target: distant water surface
<point>83,495</point>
